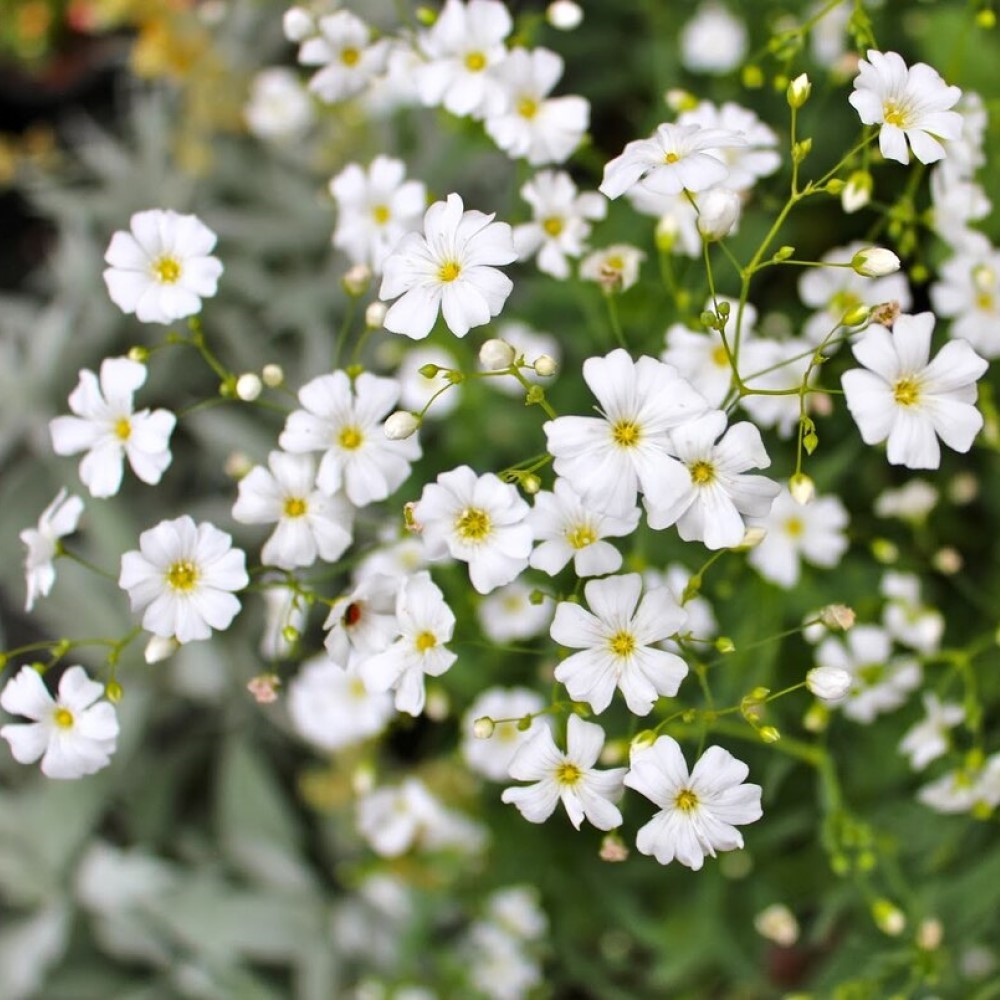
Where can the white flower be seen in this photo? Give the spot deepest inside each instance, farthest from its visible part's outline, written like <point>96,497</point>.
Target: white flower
<point>310,524</point>
<point>162,269</point>
<point>59,519</point>
<point>375,209</point>
<point>425,623</point>
<point>911,104</point>
<point>516,910</point>
<point>881,683</point>
<point>713,41</point>
<point>965,790</point>
<point>710,508</point>
<point>902,397</point>
<point>491,757</point>
<point>534,126</point>
<point>448,268</point>
<point>928,739</point>
<point>718,212</point>
<point>676,158</point>
<point>608,458</point>
<point>968,293</point>
<point>814,532</point>
<point>347,55</point>
<point>699,812</point>
<point>508,613</point>
<point>363,622</point>
<point>499,967</point>
<point>957,202</point>
<point>571,777</point>
<point>777,923</point>
<point>565,15</point>
<point>331,708</point>
<point>768,365</point>
<point>569,529</point>
<point>463,48</point>
<point>74,734</point>
<point>616,639</point>
<point>829,684</point>
<point>479,520</point>
<point>182,577</point>
<point>279,108</point>
<point>560,227</point>
<point>912,501</point>
<point>906,618</point>
<point>343,419</point>
<point>701,621</point>
<point>614,267</point>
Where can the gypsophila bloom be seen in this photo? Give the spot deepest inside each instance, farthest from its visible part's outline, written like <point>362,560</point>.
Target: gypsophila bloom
<point>508,613</point>
<point>182,578</point>
<point>479,520</point>
<point>363,622</point>
<point>449,268</point>
<point>911,104</point>
<point>713,41</point>
<point>279,109</point>
<point>310,523</point>
<point>499,966</point>
<point>615,268</point>
<point>906,618</point>
<point>571,777</point>
<point>928,739</point>
<point>106,427</point>
<point>617,641</point>
<point>903,398</point>
<point>343,419</point>
<point>777,923</point>
<point>965,790</point>
<point>912,501</point>
<point>348,56</point>
<point>968,292</point>
<point>59,519</point>
<point>491,757</point>
<point>74,734</point>
<point>162,269</point>
<point>769,365</point>
<point>375,209</point>
<point>699,812</point>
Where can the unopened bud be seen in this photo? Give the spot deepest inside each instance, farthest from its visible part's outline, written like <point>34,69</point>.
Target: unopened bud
<point>114,692</point>
<point>140,354</point>
<point>830,684</point>
<point>947,560</point>
<point>777,923</point>
<point>375,315</point>
<point>884,551</point>
<point>297,24</point>
<point>237,464</point>
<point>496,354</point>
<point>783,253</point>
<point>531,484</point>
<point>801,150</point>
<point>249,387</point>
<point>930,933</point>
<point>725,645</point>
<point>356,280</point>
<point>817,718</point>
<point>857,191</point>
<point>564,15</point>
<point>524,723</point>
<point>752,537</point>
<point>545,366</point>
<point>159,648</point>
<point>667,229</point>
<point>798,91</point>
<point>718,213</point>
<point>642,741</point>
<point>613,848</point>
<point>290,634</point>
<point>273,375</point>
<point>429,370</point>
<point>769,734</point>
<point>875,262</point>
<point>856,316</point>
<point>400,425</point>
<point>483,728</point>
<point>837,617</point>
<point>888,917</point>
<point>679,100</point>
<point>802,488</point>
<point>438,705</point>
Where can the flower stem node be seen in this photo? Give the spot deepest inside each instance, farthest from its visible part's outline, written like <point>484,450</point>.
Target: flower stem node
<point>875,262</point>
<point>801,150</point>
<point>802,488</point>
<point>534,396</point>
<point>888,917</point>
<point>798,91</point>
<point>483,728</point>
<point>400,425</point>
<point>495,355</point>
<point>545,366</point>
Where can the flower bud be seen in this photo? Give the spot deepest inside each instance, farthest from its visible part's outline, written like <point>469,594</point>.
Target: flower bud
<point>679,100</point>
<point>545,366</point>
<point>831,684</point>
<point>769,734</point>
<point>159,648</point>
<point>114,692</point>
<point>667,228</point>
<point>725,645</point>
<point>531,484</point>
<point>856,316</point>
<point>837,617</point>
<point>930,933</point>
<point>564,15</point>
<point>357,279</point>
<point>496,354</point>
<point>798,91</point>
<point>875,262</point>
<point>947,560</point>
<point>613,848</point>
<point>752,537</point>
<point>249,387</point>
<point>802,488</point>
<point>400,425</point>
<point>888,917</point>
<point>298,24</point>
<point>438,705</point>
<point>483,728</point>
<point>375,315</point>
<point>718,213</point>
<point>777,923</point>
<point>857,192</point>
<point>140,354</point>
<point>237,465</point>
<point>642,741</point>
<point>273,375</point>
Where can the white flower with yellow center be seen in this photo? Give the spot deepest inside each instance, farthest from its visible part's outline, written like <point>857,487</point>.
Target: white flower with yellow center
<point>344,421</point>
<point>463,48</point>
<point>571,777</point>
<point>606,459</point>
<point>311,524</point>
<point>700,811</point>
<point>449,268</point>
<point>350,60</point>
<point>107,429</point>
<point>968,293</point>
<point>182,578</point>
<point>480,520</point>
<point>59,519</point>
<point>163,268</point>
<point>425,623</point>
<point>513,718</point>
<point>569,529</point>
<point>910,103</point>
<point>534,126</point>
<point>617,640</point>
<point>279,109</point>
<point>74,734</point>
<point>903,398</point>
<point>615,268</point>
<point>514,612</point>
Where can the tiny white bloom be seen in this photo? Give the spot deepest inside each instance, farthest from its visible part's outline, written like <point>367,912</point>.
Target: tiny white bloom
<point>718,212</point>
<point>183,577</point>
<point>968,293</point>
<point>964,790</point>
<point>106,427</point>
<point>449,268</point>
<point>906,618</point>
<point>768,365</point>
<point>348,57</point>
<point>902,397</point>
<point>713,41</point>
<point>343,419</point>
<point>363,622</point>
<point>516,910</point>
<point>571,777</point>
<point>617,641</point>
<point>928,739</point>
<point>565,15</point>
<point>163,268</point>
<point>699,812</point>
<point>479,520</point>
<point>59,519</point>
<point>910,103</point>
<point>614,267</point>
<point>912,501</point>
<point>505,707</point>
<point>74,734</point>
<point>279,109</point>
<point>508,613</point>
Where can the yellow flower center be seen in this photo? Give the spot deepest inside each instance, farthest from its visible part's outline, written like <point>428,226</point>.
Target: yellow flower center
<point>894,114</point>
<point>719,357</point>
<point>475,62</point>
<point>686,800</point>
<point>527,107</point>
<point>622,644</point>
<point>794,527</point>
<point>167,270</point>
<point>473,525</point>
<point>183,575</point>
<point>357,688</point>
<point>625,434</point>
<point>350,56</point>
<point>702,473</point>
<point>985,302</point>
<point>350,438</point>
<point>449,271</point>
<point>906,392</point>
<point>568,774</point>
<point>381,214</point>
<point>553,225</point>
<point>295,507</point>
<point>63,718</point>
<point>425,641</point>
<point>671,158</point>
<point>615,262</point>
<point>123,428</point>
<point>581,536</point>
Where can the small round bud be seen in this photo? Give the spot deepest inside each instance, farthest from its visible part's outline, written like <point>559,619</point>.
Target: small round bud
<point>496,354</point>
<point>290,634</point>
<point>986,19</point>
<point>438,705</point>
<point>752,77</point>
<point>400,425</point>
<point>114,692</point>
<point>679,100</point>
<point>884,551</point>
<point>273,375</point>
<point>297,24</point>
<point>856,316</point>
<point>613,848</point>
<point>725,645</point>
<point>375,315</point>
<point>837,617</point>
<point>802,488</point>
<point>237,464</point>
<point>429,370</point>
<point>524,723</point>
<point>777,923</point>
<point>249,387</point>
<point>783,253</point>
<point>888,917</point>
<point>947,560</point>
<point>718,213</point>
<point>140,354</point>
<point>769,734</point>
<point>875,262</point>
<point>363,779</point>
<point>642,740</point>
<point>545,366</point>
<point>752,537</point>
<point>483,728</point>
<point>857,191</point>
<point>930,934</point>
<point>159,648</point>
<point>830,684</point>
<point>531,484</point>
<point>356,280</point>
<point>963,488</point>
<point>798,91</point>
<point>817,718</point>
<point>564,15</point>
